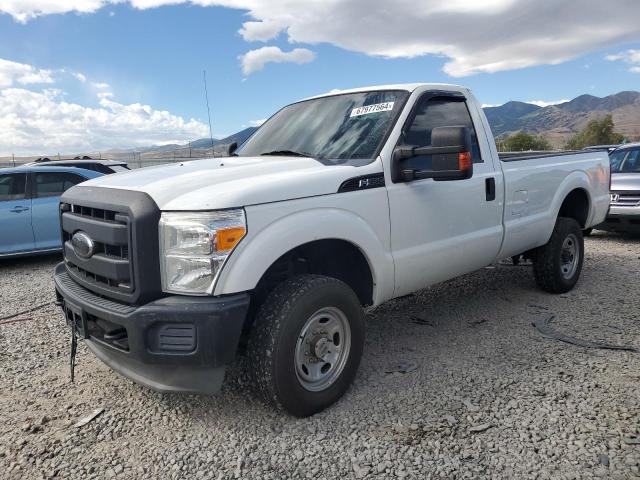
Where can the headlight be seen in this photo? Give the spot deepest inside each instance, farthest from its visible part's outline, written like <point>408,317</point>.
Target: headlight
<point>194,247</point>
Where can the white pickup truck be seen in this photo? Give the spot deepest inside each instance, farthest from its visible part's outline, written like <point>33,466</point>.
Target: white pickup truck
<point>338,202</point>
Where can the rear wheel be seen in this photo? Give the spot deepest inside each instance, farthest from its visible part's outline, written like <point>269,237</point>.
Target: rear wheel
<point>557,265</point>
<point>306,344</point>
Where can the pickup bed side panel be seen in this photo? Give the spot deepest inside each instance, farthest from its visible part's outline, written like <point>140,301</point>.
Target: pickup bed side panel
<point>359,217</point>
<point>536,188</point>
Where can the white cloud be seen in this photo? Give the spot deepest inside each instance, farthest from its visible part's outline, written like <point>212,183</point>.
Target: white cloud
<point>487,36</point>
<point>80,77</point>
<point>25,10</point>
<point>101,85</point>
<point>546,103</point>
<point>491,105</point>
<point>630,57</point>
<point>41,122</point>
<point>474,36</point>
<point>257,123</point>
<point>21,73</point>
<point>261,31</point>
<point>255,60</point>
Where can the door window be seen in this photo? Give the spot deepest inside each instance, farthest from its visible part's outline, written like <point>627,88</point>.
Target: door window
<point>13,186</point>
<point>625,161</point>
<point>434,112</point>
<point>54,184</point>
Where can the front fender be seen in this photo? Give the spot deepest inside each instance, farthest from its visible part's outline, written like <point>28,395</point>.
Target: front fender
<point>266,242</point>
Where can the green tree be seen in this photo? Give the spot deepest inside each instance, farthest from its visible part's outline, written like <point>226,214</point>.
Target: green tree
<point>596,132</point>
<point>521,141</point>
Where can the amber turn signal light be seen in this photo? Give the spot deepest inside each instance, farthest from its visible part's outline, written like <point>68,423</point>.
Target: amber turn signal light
<point>464,161</point>
<point>228,238</point>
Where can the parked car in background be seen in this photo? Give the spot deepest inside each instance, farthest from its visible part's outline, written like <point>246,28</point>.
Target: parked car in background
<point>624,212</point>
<point>605,148</point>
<point>29,212</point>
<point>105,167</point>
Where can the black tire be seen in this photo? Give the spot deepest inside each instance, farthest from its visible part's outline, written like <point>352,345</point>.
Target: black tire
<point>550,262</point>
<point>273,342</point>
<point>587,231</point>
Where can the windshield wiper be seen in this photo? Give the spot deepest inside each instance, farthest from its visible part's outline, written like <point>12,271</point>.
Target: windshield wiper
<point>288,153</point>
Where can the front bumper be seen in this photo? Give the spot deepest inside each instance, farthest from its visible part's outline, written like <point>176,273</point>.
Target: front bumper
<point>621,219</point>
<point>174,344</point>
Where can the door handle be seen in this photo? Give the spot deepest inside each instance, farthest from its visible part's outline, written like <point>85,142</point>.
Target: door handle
<point>490,188</point>
<point>19,209</point>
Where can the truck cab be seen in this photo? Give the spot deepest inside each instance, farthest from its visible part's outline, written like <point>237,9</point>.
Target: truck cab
<point>337,203</point>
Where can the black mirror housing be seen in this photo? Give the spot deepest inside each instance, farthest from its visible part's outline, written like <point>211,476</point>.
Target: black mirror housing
<point>450,152</point>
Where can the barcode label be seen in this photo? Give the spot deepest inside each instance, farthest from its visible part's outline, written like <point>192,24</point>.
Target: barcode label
<point>376,107</point>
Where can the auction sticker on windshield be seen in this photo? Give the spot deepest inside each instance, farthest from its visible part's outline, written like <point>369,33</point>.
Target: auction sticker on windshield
<point>376,107</point>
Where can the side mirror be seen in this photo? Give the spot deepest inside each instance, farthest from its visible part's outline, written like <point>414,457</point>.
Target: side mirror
<point>225,150</point>
<point>450,152</point>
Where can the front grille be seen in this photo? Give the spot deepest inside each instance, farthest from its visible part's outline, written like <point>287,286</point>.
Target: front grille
<point>109,267</point>
<point>625,199</point>
<point>122,248</point>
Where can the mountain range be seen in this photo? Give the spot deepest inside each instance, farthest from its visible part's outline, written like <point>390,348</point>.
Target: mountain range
<point>557,123</point>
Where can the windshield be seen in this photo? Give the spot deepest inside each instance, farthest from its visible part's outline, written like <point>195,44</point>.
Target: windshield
<point>347,128</point>
<point>625,161</point>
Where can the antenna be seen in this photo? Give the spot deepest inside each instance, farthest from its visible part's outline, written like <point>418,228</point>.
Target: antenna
<point>206,96</point>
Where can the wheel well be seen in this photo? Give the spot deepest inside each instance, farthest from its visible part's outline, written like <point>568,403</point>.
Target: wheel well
<point>331,257</point>
<point>576,206</point>
<point>334,258</point>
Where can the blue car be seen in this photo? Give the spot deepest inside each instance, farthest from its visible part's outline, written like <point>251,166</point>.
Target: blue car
<point>29,198</point>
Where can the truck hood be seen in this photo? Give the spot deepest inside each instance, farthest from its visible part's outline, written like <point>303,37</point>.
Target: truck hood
<point>215,183</point>
<point>625,181</point>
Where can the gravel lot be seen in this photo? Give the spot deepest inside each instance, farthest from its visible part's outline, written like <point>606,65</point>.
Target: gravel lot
<point>488,396</point>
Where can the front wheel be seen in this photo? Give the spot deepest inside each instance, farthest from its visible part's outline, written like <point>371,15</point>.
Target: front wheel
<point>306,344</point>
<point>557,265</point>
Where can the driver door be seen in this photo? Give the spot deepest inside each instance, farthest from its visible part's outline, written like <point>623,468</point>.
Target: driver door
<point>442,229</point>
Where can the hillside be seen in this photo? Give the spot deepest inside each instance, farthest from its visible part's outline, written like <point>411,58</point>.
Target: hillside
<point>237,137</point>
<point>558,122</point>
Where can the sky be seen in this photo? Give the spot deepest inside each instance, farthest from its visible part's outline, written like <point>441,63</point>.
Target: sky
<point>89,75</point>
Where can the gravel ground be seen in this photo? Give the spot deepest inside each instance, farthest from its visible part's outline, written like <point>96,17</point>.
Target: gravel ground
<point>487,396</point>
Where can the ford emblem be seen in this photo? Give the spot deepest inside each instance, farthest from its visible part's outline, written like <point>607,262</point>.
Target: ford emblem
<point>83,245</point>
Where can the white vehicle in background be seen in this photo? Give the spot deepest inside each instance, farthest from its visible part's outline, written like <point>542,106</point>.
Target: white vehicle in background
<point>624,214</point>
<point>337,202</point>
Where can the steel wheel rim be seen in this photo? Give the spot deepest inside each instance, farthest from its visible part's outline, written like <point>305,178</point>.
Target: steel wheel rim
<point>322,349</point>
<point>569,256</point>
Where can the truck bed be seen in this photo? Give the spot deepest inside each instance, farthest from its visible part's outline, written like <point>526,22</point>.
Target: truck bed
<point>530,155</point>
<point>535,185</point>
